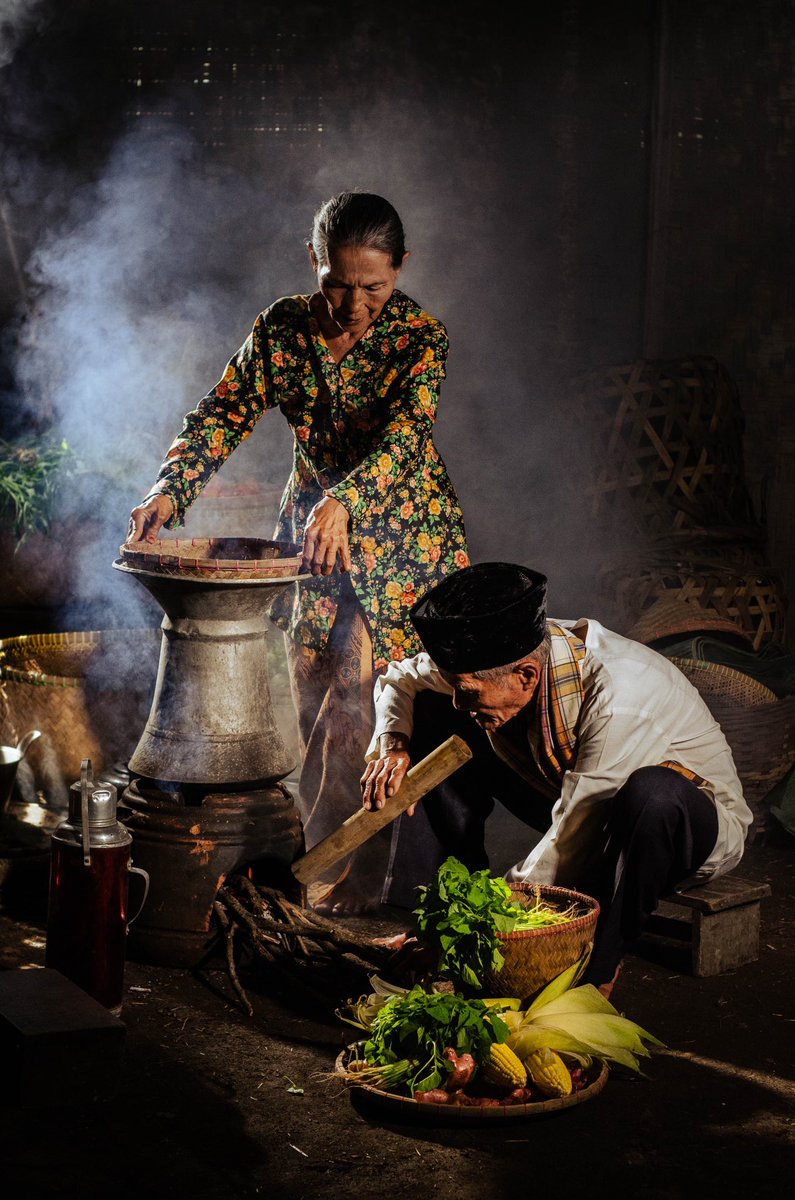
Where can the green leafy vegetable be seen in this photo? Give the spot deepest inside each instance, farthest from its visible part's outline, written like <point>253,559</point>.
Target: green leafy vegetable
<point>460,914</point>
<point>410,1033</point>
<point>30,475</point>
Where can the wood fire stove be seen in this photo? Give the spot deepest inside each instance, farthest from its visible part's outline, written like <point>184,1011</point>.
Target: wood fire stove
<point>206,797</point>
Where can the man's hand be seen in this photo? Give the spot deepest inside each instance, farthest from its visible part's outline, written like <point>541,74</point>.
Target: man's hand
<point>384,775</point>
<point>326,536</point>
<point>146,520</point>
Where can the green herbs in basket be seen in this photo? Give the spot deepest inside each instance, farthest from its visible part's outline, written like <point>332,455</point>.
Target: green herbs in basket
<point>460,914</point>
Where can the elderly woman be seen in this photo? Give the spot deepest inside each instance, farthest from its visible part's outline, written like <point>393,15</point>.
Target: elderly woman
<point>356,369</point>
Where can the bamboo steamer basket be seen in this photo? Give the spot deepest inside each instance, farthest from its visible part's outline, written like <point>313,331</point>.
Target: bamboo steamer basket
<point>218,559</point>
<point>534,957</point>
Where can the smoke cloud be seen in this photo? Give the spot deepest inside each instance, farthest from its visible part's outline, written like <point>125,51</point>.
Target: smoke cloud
<point>17,18</point>
<point>150,272</point>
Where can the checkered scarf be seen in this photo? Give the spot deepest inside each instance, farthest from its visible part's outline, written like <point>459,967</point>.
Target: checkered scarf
<point>560,696</point>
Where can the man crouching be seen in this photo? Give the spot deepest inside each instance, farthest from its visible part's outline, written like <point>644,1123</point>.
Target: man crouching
<point>597,742</point>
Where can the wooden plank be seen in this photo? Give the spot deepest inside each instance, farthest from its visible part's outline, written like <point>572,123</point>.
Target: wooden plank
<point>728,891</point>
<point>58,1046</point>
<point>364,824</point>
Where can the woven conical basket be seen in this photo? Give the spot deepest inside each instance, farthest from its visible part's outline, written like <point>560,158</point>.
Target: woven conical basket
<point>534,957</point>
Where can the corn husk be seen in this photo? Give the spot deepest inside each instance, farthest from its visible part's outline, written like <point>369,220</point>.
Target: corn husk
<point>580,1021</point>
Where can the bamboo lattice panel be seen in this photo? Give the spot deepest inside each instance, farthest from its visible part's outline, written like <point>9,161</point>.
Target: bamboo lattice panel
<point>755,603</point>
<point>667,445</point>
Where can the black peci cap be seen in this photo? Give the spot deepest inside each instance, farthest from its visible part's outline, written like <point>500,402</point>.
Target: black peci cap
<point>483,616</point>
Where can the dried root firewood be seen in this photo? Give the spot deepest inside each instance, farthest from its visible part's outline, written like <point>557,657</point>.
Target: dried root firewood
<point>325,958</point>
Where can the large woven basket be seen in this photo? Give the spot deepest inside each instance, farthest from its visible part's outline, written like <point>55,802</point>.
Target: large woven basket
<point>758,725</point>
<point>749,598</point>
<point>534,957</point>
<point>667,444</point>
<point>672,616</point>
<point>88,692</point>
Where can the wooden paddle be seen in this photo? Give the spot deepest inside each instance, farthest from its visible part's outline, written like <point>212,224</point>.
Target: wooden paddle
<point>362,825</point>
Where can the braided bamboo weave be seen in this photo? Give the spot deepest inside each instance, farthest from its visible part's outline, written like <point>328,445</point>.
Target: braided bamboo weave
<point>759,727</point>
<point>667,444</point>
<point>214,558</point>
<point>671,615</point>
<point>667,464</point>
<point>534,957</point>
<point>745,596</point>
<point>86,691</point>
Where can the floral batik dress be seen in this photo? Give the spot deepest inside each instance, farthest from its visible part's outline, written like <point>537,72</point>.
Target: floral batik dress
<point>362,433</point>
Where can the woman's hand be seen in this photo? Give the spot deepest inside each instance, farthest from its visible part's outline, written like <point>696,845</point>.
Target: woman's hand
<point>326,536</point>
<point>384,775</point>
<point>146,520</point>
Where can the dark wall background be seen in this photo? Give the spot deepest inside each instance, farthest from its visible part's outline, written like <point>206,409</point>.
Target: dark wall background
<point>601,182</point>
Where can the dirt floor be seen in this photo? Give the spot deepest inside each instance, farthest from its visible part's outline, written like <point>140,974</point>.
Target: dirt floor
<point>215,1103</point>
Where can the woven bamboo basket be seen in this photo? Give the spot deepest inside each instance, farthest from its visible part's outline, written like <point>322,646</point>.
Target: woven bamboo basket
<point>671,616</point>
<point>88,692</point>
<point>667,444</point>
<point>214,558</point>
<point>399,1108</point>
<point>753,602</point>
<point>534,957</point>
<point>758,725</point>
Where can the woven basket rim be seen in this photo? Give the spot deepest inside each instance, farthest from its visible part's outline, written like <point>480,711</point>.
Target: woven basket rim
<point>471,1113</point>
<point>551,891</point>
<point>669,616</point>
<point>183,554</point>
<point>49,641</point>
<point>763,695</point>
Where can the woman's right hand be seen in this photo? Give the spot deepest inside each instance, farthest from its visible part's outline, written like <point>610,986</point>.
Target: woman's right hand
<point>146,520</point>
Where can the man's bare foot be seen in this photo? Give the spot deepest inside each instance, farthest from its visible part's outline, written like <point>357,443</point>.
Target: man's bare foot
<point>607,988</point>
<point>347,900</point>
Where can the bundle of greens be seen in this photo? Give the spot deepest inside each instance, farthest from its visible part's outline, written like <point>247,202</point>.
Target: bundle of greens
<point>30,474</point>
<point>410,1032</point>
<point>460,914</point>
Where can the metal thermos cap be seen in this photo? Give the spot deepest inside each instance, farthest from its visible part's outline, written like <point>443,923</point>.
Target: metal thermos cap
<point>101,805</point>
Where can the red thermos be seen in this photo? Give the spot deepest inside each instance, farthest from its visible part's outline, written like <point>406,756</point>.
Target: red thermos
<point>90,867</point>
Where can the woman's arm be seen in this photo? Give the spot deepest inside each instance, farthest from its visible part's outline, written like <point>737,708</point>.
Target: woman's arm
<point>218,424</point>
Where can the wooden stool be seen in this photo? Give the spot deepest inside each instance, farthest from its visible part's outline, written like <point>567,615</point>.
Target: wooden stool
<point>711,928</point>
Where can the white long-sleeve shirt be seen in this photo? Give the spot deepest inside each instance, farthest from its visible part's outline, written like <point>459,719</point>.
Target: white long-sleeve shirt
<point>638,710</point>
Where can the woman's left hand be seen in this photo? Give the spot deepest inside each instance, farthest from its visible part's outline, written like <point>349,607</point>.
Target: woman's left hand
<point>326,536</point>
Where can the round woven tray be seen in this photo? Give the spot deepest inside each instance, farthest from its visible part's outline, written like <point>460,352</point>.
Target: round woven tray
<point>216,558</point>
<point>399,1108</point>
<point>534,957</point>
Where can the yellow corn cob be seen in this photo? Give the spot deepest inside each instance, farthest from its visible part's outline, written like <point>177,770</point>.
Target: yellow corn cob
<point>504,1069</point>
<point>548,1072</point>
